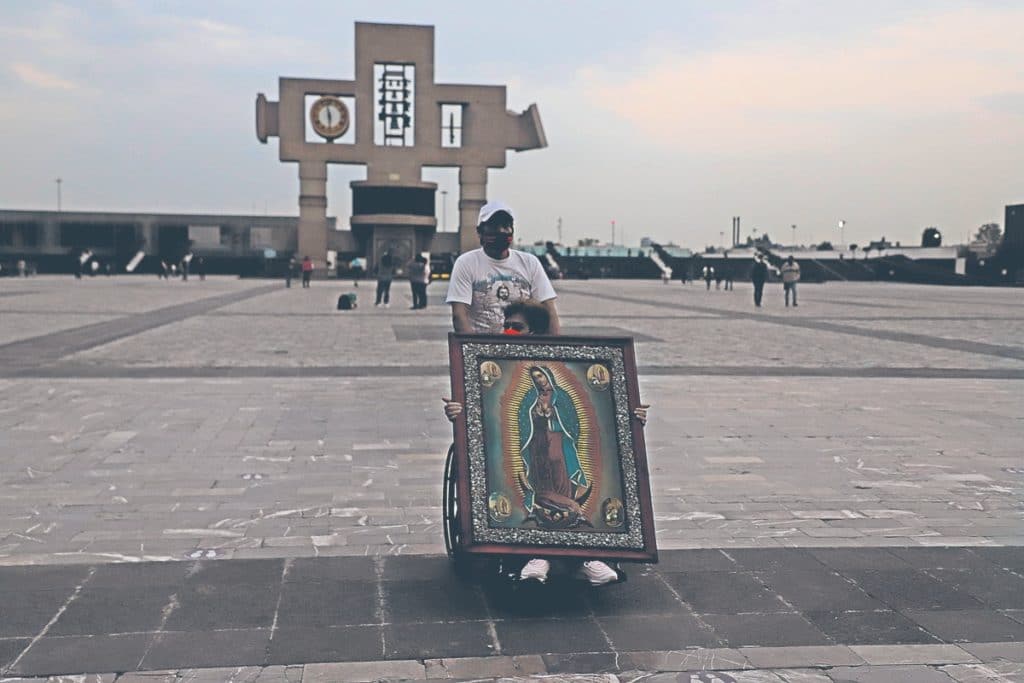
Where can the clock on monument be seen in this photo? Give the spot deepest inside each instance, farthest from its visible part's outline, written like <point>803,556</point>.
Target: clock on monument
<point>329,117</point>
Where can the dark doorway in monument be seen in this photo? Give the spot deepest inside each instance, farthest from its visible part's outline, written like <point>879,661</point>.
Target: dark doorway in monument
<point>172,242</point>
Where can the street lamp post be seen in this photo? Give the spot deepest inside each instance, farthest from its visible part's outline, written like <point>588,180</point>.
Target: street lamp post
<point>794,234</point>
<point>613,232</point>
<point>444,210</point>
<point>58,181</point>
<point>842,234</point>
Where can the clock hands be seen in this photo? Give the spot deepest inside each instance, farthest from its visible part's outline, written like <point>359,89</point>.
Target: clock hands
<point>329,117</point>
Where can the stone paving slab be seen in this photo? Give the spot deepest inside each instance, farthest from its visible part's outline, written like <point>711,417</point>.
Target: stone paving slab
<point>226,420</point>
<point>694,327</point>
<point>383,338</point>
<point>693,666</point>
<point>258,613</point>
<point>155,469</point>
<point>24,325</point>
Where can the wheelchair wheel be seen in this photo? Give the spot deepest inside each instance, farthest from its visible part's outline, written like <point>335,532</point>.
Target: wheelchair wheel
<point>450,505</point>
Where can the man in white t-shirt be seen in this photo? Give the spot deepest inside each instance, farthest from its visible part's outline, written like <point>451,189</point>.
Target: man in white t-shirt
<point>485,280</point>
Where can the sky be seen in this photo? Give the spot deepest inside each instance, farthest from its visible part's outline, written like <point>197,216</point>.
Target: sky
<point>668,118</point>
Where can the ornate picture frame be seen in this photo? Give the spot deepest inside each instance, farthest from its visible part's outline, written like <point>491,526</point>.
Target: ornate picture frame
<point>549,458</point>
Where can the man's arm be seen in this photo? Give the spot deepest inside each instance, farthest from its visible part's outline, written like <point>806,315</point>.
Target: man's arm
<point>556,325</point>
<point>460,318</point>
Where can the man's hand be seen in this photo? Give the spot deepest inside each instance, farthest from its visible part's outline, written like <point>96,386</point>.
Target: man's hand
<point>640,413</point>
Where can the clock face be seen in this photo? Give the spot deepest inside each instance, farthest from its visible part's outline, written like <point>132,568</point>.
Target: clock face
<point>329,117</point>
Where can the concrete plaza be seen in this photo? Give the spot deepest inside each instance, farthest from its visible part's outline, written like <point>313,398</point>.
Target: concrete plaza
<point>246,431</point>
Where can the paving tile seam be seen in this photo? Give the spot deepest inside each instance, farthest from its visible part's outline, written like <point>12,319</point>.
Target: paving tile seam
<point>381,604</point>
<point>492,631</point>
<point>704,625</point>
<point>280,595</point>
<point>964,345</point>
<point>169,609</point>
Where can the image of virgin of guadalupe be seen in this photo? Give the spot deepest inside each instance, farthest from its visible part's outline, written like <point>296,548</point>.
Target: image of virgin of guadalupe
<point>554,484</point>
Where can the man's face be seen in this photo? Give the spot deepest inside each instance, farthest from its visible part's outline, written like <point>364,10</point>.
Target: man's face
<point>496,237</point>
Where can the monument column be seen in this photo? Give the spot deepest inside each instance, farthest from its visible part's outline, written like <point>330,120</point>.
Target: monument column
<point>313,211</point>
<point>472,196</point>
<point>50,237</point>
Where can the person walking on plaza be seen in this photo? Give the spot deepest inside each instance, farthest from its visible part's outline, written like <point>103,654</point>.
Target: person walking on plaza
<point>419,277</point>
<point>790,276</point>
<point>307,271</point>
<point>726,271</point>
<point>485,280</point>
<point>758,275</point>
<point>709,274</point>
<point>358,267</point>
<point>385,273</point>
<point>289,272</point>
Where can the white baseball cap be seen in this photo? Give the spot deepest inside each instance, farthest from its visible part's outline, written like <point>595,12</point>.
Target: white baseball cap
<point>491,208</point>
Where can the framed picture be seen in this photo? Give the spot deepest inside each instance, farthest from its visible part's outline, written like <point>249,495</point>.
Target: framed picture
<point>549,459</point>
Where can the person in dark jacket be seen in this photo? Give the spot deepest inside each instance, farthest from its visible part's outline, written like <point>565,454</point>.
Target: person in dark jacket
<point>419,277</point>
<point>758,275</point>
<point>385,273</point>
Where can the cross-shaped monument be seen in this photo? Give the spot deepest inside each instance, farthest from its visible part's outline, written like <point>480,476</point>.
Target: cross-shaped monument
<point>394,119</point>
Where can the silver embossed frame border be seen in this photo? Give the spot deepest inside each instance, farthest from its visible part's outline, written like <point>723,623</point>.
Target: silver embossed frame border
<point>636,542</point>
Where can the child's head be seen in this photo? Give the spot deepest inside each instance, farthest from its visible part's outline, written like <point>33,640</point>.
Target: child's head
<point>527,317</point>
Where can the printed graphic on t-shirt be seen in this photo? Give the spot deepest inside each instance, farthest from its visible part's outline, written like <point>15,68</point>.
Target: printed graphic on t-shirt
<point>492,294</point>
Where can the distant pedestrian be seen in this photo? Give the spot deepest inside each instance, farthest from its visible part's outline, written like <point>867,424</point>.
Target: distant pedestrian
<point>200,268</point>
<point>419,277</point>
<point>22,268</point>
<point>385,273</point>
<point>758,275</point>
<point>307,271</point>
<point>358,268</point>
<point>790,276</point>
<point>290,272</point>
<point>726,271</point>
<point>709,275</point>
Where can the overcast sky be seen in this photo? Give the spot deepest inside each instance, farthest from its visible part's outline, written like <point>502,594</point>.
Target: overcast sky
<point>667,117</point>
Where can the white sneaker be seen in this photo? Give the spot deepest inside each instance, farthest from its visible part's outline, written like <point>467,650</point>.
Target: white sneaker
<point>387,305</point>
<point>597,573</point>
<point>535,570</point>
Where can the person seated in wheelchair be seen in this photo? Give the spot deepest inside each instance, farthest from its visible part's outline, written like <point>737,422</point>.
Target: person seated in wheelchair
<point>532,318</point>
